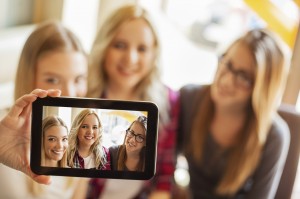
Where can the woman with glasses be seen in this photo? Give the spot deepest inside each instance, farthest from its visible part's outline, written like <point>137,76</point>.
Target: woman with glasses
<point>130,156</point>
<point>234,141</point>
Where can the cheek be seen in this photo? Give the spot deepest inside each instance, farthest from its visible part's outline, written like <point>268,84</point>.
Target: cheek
<point>49,145</point>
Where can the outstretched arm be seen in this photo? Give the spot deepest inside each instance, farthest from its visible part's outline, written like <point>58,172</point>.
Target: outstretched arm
<point>15,130</point>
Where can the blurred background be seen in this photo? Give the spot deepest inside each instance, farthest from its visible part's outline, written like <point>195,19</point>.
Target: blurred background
<point>192,34</point>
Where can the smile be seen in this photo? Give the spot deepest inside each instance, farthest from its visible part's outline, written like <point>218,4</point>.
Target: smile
<point>88,137</point>
<point>57,152</point>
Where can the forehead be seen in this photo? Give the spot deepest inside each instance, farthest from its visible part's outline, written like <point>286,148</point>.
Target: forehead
<point>62,63</point>
<point>90,119</point>
<point>241,57</point>
<point>56,131</point>
<point>137,128</point>
<point>136,30</point>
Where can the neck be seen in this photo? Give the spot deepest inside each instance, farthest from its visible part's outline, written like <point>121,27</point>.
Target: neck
<point>132,161</point>
<point>51,163</point>
<point>84,151</point>
<point>115,92</point>
<point>227,124</point>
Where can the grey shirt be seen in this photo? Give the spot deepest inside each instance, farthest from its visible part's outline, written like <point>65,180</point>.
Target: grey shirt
<point>204,178</point>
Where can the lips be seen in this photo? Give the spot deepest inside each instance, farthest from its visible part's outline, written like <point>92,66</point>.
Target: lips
<point>89,137</point>
<point>131,144</point>
<point>125,71</point>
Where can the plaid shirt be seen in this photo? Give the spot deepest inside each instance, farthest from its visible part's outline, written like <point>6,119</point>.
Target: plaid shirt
<point>165,165</point>
<point>79,161</point>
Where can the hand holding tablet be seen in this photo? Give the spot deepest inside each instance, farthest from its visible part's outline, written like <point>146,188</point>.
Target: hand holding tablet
<point>94,138</point>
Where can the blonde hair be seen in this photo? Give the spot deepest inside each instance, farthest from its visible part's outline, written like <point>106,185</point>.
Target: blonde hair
<point>47,123</point>
<point>142,121</point>
<point>47,37</point>
<point>151,87</point>
<point>96,147</point>
<point>272,63</point>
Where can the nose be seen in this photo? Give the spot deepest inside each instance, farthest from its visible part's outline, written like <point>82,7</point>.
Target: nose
<point>227,79</point>
<point>132,56</point>
<point>69,89</point>
<point>59,145</point>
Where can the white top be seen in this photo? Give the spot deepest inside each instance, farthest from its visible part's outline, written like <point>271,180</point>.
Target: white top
<point>125,189</point>
<point>14,185</point>
<point>89,162</point>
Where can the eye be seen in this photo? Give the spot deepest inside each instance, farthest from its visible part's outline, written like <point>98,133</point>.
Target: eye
<point>52,80</point>
<point>140,138</point>
<point>80,79</point>
<point>95,127</point>
<point>119,45</point>
<point>65,139</point>
<point>84,126</point>
<point>51,139</point>
<point>142,48</point>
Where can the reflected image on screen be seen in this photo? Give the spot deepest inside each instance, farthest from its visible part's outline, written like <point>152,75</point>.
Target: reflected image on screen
<point>88,138</point>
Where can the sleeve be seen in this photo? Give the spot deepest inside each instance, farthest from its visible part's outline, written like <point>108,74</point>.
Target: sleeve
<point>166,148</point>
<point>267,176</point>
<point>107,165</point>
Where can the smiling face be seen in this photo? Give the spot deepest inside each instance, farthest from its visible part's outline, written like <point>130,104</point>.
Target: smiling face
<point>66,71</point>
<point>236,68</point>
<point>55,144</point>
<point>132,145</point>
<point>88,131</point>
<point>131,54</point>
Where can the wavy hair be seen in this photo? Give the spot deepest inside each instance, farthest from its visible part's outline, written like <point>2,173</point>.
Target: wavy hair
<point>96,147</point>
<point>47,123</point>
<point>149,88</point>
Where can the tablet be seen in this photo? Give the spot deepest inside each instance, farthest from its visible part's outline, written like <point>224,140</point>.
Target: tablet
<point>94,138</point>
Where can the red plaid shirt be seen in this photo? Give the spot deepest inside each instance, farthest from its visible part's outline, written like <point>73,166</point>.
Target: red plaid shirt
<point>79,161</point>
<point>165,166</point>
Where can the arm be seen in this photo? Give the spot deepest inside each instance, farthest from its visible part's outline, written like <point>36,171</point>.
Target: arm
<point>166,153</point>
<point>15,134</point>
<point>267,175</point>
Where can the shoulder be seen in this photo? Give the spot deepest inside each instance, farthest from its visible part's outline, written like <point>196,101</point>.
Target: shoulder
<point>191,92</point>
<point>279,131</point>
<point>279,136</point>
<point>114,149</point>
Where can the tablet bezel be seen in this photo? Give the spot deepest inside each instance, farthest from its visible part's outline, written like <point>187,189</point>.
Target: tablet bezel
<point>151,136</point>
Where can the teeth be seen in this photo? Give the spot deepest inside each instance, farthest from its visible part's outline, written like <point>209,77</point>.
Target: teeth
<point>57,152</point>
<point>130,144</point>
<point>88,137</point>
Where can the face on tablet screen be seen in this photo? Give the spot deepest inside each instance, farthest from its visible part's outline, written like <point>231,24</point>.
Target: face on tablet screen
<point>94,138</point>
<point>82,138</point>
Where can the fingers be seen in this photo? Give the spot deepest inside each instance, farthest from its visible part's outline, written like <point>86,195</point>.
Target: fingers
<point>27,99</point>
<point>44,93</point>
<point>42,179</point>
<point>54,93</point>
<point>21,103</point>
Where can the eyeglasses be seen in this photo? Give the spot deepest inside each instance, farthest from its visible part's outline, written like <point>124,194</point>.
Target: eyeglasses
<point>131,134</point>
<point>242,79</point>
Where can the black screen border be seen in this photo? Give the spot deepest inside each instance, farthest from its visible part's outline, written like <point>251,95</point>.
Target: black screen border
<point>151,137</point>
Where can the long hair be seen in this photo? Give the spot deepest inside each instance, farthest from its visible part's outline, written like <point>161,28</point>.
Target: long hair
<point>96,147</point>
<point>47,37</point>
<point>149,88</point>
<point>272,63</point>
<point>142,121</point>
<point>47,123</point>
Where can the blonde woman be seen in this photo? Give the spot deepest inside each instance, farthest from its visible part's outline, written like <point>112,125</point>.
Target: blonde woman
<point>55,142</point>
<point>124,64</point>
<point>234,141</point>
<point>85,143</point>
<point>52,58</point>
<point>130,156</point>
